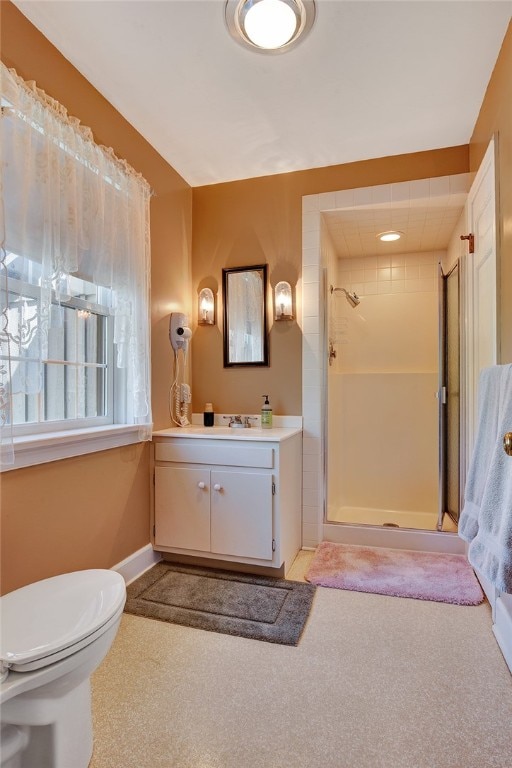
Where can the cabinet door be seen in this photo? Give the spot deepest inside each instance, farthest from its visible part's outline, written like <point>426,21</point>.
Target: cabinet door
<point>182,508</point>
<point>241,514</point>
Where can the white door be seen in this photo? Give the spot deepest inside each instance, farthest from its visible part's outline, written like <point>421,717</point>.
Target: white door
<point>481,300</point>
<point>481,287</point>
<point>182,508</point>
<point>241,514</point>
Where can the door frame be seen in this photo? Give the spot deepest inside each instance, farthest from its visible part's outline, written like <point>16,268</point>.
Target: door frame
<point>474,355</point>
<point>477,356</point>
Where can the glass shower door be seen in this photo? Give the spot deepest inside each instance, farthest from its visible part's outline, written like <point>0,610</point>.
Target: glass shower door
<point>449,395</point>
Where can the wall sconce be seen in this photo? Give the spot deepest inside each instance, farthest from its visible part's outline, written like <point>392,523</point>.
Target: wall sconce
<point>206,312</point>
<point>283,301</point>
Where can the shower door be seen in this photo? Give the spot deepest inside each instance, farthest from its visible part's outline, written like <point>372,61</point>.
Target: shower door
<point>449,395</point>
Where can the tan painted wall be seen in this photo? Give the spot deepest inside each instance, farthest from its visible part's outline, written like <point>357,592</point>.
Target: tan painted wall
<point>85,512</point>
<point>496,117</point>
<point>260,220</point>
<point>93,511</point>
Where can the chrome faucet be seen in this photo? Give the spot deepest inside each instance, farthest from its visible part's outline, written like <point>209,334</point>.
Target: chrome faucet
<point>237,422</point>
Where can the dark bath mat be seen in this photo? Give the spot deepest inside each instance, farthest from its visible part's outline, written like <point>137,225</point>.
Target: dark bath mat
<point>258,607</point>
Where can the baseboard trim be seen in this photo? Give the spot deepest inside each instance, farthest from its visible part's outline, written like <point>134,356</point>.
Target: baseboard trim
<point>138,563</point>
<point>502,629</point>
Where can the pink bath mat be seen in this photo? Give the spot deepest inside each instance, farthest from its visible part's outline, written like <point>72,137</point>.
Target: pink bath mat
<point>396,572</point>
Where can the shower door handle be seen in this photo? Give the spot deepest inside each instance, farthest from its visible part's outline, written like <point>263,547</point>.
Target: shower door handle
<point>441,395</point>
<point>507,443</point>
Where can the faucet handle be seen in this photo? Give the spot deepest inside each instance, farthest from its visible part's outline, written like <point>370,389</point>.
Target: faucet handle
<point>234,420</point>
<point>248,419</point>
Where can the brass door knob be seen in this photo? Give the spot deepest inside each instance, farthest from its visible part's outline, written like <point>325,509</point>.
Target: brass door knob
<point>507,443</point>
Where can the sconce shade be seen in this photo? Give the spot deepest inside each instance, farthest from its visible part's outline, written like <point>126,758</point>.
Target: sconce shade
<point>283,306</point>
<point>206,307</point>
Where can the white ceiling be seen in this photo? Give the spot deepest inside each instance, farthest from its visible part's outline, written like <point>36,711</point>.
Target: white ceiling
<point>373,78</point>
<point>426,222</point>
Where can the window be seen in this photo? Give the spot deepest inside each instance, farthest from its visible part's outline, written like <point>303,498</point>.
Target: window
<point>72,384</point>
<point>74,285</point>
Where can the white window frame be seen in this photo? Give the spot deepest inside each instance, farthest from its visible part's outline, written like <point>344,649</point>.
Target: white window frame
<point>45,441</point>
<point>54,446</point>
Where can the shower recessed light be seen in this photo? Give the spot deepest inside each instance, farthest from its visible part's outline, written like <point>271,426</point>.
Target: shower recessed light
<point>269,26</point>
<point>388,237</point>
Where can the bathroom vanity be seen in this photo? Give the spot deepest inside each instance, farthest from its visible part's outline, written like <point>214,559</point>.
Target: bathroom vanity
<point>231,495</point>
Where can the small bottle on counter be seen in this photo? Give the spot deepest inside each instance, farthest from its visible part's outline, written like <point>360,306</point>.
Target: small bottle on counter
<point>266,414</point>
<point>208,415</point>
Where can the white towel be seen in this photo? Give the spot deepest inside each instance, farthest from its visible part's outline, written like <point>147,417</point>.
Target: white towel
<point>483,450</point>
<point>486,520</point>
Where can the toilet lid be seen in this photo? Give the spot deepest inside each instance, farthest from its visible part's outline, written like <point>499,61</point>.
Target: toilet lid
<point>45,617</point>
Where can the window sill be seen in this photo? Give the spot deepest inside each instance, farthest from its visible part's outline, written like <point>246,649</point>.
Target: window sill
<point>54,446</point>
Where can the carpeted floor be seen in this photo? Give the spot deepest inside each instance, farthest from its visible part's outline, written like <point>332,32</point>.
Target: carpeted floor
<point>375,682</point>
<point>258,607</point>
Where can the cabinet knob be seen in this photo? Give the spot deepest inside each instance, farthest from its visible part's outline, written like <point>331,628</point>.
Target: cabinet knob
<point>507,443</point>
<point>217,487</point>
<point>201,485</point>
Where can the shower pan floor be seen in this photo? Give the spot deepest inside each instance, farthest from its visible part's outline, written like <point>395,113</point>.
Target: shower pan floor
<point>425,521</point>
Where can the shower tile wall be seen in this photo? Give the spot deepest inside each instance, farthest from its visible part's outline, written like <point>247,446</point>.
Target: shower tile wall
<point>404,273</point>
<point>409,274</point>
<point>383,448</point>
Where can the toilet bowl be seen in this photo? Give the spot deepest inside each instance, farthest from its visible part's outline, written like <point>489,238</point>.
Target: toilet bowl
<point>54,634</point>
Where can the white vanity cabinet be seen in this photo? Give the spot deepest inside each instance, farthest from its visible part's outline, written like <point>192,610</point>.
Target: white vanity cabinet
<point>229,512</point>
<point>228,499</point>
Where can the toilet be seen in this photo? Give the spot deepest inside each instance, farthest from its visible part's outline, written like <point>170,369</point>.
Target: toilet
<point>54,634</point>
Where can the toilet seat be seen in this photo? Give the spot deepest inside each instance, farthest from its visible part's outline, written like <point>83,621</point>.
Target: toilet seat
<point>51,619</point>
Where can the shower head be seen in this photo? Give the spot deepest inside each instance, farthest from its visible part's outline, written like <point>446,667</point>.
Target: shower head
<point>352,298</point>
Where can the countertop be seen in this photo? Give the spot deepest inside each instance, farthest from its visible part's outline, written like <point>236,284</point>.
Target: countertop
<point>275,434</point>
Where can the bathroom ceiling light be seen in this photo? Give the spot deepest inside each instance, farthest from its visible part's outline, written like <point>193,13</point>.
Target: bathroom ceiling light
<point>269,26</point>
<point>388,237</point>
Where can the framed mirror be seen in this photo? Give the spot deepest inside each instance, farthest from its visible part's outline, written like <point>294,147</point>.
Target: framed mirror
<point>244,293</point>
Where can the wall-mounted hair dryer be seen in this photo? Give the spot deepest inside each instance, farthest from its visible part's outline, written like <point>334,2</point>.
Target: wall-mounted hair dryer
<point>179,392</point>
<point>179,332</point>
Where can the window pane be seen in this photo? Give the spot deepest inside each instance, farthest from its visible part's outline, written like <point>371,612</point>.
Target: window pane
<point>77,335</point>
<point>74,391</point>
<point>59,374</point>
<point>25,408</point>
<point>95,339</point>
<point>54,388</point>
<point>82,289</point>
<point>95,392</point>
<point>22,318</point>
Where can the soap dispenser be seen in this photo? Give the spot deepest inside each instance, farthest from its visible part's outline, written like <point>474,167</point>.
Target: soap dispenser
<point>266,414</point>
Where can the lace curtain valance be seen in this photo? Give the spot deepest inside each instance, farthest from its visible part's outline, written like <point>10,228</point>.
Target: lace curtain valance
<point>74,210</point>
